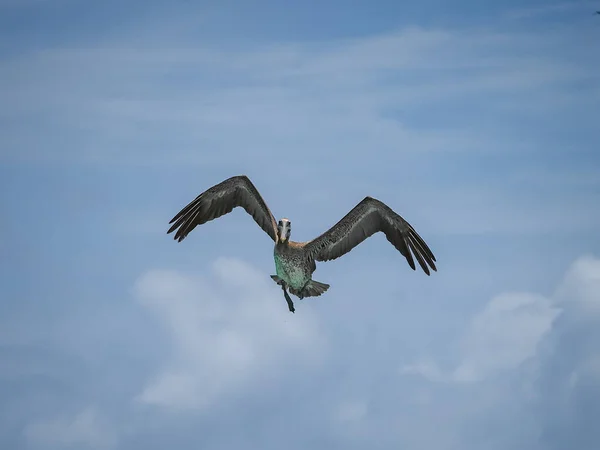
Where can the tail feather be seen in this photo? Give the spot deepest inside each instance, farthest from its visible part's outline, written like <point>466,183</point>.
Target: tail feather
<point>312,289</point>
<point>316,288</point>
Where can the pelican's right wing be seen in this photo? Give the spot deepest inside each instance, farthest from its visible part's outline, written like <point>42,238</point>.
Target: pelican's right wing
<point>220,200</point>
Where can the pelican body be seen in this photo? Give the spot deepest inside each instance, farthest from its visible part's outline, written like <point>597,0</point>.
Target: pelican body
<point>295,261</point>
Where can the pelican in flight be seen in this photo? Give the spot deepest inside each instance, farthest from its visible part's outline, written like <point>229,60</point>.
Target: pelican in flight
<point>295,261</point>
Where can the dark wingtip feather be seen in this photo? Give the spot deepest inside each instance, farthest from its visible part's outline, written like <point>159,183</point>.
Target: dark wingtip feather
<point>418,254</point>
<point>425,251</point>
<point>180,235</point>
<point>409,257</point>
<point>420,241</point>
<point>171,229</point>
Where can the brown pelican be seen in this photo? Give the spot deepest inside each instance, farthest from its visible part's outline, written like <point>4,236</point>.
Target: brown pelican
<point>295,261</point>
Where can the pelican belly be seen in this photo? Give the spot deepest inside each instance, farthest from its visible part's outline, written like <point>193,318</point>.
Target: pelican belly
<point>290,271</point>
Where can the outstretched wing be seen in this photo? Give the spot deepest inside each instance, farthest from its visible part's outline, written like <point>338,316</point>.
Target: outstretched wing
<point>220,200</point>
<point>364,220</point>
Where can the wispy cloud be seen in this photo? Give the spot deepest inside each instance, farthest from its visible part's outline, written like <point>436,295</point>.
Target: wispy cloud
<point>428,104</point>
<point>116,102</point>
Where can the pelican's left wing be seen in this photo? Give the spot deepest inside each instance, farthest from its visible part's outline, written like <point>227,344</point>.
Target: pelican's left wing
<point>364,220</point>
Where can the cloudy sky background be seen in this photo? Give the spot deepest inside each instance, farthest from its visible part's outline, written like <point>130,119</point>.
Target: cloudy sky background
<point>478,122</point>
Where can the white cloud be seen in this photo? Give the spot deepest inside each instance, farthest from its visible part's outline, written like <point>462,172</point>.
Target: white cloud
<point>536,364</point>
<point>510,328</point>
<point>229,330</point>
<point>581,287</point>
<point>84,430</point>
<point>505,334</point>
<point>566,379</point>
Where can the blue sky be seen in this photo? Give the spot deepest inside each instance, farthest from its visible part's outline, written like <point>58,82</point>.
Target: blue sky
<point>477,123</point>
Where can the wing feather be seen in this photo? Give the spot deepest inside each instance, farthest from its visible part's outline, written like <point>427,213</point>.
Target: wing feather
<point>220,200</point>
<point>365,219</point>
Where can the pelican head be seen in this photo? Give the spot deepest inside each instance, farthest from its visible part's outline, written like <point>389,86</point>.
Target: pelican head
<point>284,230</point>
